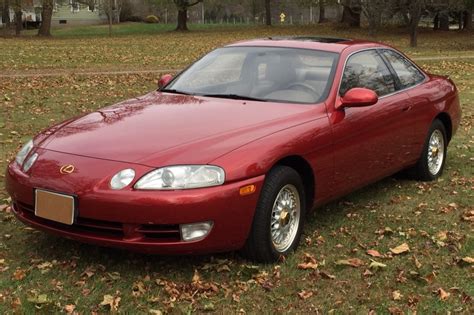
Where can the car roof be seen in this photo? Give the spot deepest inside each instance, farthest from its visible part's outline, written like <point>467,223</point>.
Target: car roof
<point>331,44</point>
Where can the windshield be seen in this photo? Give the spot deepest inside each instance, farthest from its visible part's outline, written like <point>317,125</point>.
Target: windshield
<point>260,73</point>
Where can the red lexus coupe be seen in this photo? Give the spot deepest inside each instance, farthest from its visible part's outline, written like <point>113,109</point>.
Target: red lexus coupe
<point>231,153</point>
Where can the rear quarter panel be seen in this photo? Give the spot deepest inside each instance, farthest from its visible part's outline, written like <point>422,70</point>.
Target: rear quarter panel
<point>435,96</point>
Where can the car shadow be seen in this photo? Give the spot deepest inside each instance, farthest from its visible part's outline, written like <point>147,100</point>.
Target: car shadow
<point>327,217</point>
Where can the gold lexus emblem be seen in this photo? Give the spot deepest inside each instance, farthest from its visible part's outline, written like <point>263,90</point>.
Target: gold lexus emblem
<point>67,169</point>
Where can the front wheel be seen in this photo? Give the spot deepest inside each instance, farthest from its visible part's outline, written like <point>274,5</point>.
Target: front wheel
<point>279,217</point>
<point>431,163</point>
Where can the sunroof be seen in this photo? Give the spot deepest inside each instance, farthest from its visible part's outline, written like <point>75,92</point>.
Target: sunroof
<point>318,39</point>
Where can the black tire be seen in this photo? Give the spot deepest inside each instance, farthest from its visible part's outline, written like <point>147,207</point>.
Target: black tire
<point>421,171</point>
<point>259,246</point>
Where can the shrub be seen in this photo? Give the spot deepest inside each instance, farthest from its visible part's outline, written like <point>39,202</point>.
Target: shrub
<point>151,19</point>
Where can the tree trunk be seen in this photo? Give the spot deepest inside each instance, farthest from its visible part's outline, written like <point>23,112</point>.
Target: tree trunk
<point>322,12</point>
<point>468,19</point>
<point>182,20</point>
<point>415,16</point>
<point>18,22</point>
<point>413,36</point>
<point>46,15</point>
<point>444,21</point>
<point>406,19</point>
<point>6,12</point>
<point>461,19</point>
<point>436,22</point>
<point>268,13</point>
<point>350,17</point>
<point>110,17</point>
<point>6,17</point>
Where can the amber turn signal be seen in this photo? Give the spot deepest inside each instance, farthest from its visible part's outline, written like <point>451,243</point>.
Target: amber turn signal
<point>247,190</point>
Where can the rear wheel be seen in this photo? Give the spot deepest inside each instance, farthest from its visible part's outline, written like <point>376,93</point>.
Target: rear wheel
<point>431,163</point>
<point>279,216</point>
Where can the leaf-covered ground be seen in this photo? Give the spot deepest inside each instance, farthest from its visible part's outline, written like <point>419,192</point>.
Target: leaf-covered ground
<point>397,246</point>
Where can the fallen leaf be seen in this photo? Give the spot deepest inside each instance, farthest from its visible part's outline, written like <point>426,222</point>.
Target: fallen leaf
<point>396,295</point>
<point>442,236</point>
<point>138,289</point>
<point>111,302</point>
<point>377,265</point>
<point>309,262</point>
<point>19,274</point>
<point>443,295</point>
<point>468,216</point>
<point>468,260</point>
<point>373,253</point>
<point>209,307</point>
<point>305,294</point>
<point>196,277</point>
<point>69,308</point>
<point>417,262</point>
<point>400,249</point>
<point>353,262</point>
<point>395,311</point>
<point>39,299</point>
<point>327,275</point>
<point>155,312</point>
<point>308,265</point>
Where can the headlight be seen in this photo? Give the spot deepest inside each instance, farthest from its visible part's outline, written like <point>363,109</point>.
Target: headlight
<point>182,177</point>
<point>23,153</point>
<point>29,163</point>
<point>122,179</point>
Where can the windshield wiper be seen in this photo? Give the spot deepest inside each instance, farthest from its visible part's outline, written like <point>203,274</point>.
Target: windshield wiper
<point>174,91</point>
<point>235,97</point>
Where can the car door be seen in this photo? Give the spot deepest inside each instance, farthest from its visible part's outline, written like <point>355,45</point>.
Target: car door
<point>369,142</point>
<point>409,77</point>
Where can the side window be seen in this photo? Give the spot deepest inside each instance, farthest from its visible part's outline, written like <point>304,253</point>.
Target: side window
<point>408,74</point>
<point>366,69</point>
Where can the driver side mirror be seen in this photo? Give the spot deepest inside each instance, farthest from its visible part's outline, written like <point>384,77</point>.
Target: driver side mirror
<point>359,97</point>
<point>164,80</point>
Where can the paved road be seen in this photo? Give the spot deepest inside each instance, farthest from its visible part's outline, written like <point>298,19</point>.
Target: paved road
<point>58,73</point>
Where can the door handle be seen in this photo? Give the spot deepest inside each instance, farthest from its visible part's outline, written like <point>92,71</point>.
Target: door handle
<point>406,108</point>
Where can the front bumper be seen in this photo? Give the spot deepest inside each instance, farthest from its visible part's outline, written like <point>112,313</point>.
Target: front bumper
<point>145,221</point>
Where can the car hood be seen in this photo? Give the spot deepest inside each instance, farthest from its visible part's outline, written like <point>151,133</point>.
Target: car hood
<point>161,129</point>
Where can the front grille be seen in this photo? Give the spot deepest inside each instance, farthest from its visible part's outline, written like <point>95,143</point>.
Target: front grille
<point>152,232</point>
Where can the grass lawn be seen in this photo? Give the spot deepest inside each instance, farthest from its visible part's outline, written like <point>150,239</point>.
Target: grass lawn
<point>46,274</point>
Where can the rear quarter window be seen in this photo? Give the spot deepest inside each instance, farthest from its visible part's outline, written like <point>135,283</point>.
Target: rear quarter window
<point>407,72</point>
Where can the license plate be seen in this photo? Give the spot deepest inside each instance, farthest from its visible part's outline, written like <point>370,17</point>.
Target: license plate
<point>54,206</point>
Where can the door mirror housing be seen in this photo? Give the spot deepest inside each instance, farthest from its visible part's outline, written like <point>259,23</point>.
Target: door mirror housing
<point>359,97</point>
<point>164,80</point>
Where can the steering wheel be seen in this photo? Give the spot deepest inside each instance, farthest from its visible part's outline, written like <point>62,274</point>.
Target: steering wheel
<point>305,87</point>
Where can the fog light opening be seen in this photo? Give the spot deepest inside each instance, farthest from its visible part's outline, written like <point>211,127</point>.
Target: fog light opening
<point>195,231</point>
